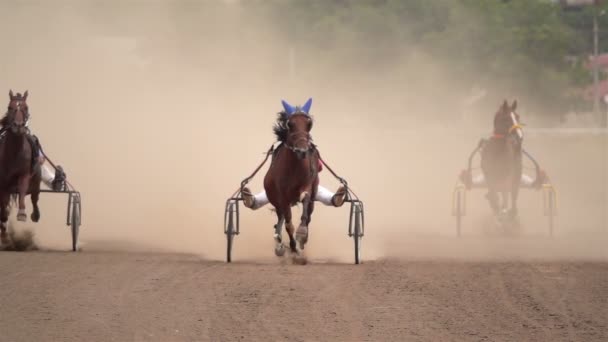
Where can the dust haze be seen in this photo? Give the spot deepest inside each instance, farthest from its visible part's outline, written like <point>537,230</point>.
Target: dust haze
<point>157,115</point>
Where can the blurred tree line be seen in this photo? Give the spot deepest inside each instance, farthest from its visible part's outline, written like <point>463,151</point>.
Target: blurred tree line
<point>516,47</point>
<point>511,48</point>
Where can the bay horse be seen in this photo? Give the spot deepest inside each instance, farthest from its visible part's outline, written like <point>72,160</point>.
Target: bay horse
<point>293,175</point>
<point>19,168</point>
<point>501,160</point>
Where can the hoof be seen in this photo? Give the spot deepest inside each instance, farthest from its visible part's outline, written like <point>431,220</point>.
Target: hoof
<point>292,246</point>
<point>35,217</point>
<point>22,217</point>
<point>302,233</point>
<point>299,259</point>
<point>279,250</point>
<point>302,236</point>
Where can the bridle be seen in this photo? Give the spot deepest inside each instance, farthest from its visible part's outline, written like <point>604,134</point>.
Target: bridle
<point>304,136</point>
<point>516,128</point>
<point>12,112</point>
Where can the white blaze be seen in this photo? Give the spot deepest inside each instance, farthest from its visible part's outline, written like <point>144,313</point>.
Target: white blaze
<point>520,134</point>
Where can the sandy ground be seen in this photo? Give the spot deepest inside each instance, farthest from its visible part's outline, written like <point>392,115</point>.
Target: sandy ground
<point>98,296</point>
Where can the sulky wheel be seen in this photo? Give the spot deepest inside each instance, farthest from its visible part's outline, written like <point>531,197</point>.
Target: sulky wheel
<point>458,213</point>
<point>75,223</point>
<point>358,232</point>
<point>550,205</point>
<point>458,207</point>
<point>551,215</point>
<point>551,210</point>
<point>229,231</point>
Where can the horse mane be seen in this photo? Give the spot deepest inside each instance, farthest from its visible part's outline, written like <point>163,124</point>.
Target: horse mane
<point>4,120</point>
<point>280,127</point>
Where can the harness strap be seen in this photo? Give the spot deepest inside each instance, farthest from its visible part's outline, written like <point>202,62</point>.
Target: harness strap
<point>514,127</point>
<point>246,180</point>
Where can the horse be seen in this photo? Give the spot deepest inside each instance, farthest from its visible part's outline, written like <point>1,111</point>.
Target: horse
<point>19,168</point>
<point>293,175</point>
<point>501,160</point>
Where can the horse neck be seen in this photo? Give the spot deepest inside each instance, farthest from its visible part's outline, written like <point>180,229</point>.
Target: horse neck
<point>291,160</point>
<point>11,145</point>
<point>500,131</point>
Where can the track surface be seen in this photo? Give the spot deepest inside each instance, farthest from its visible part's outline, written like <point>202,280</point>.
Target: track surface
<point>95,296</point>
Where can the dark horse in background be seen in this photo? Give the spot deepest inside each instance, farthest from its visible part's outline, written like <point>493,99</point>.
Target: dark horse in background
<point>19,167</point>
<point>293,175</point>
<point>501,161</point>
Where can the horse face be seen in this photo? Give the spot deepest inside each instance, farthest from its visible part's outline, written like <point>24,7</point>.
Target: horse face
<point>298,138</point>
<point>506,122</point>
<point>18,113</point>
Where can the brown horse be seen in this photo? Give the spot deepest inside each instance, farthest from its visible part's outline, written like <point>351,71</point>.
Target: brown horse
<point>293,175</point>
<point>501,160</point>
<point>19,170</point>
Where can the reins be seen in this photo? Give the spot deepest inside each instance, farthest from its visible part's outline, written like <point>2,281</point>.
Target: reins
<point>55,167</point>
<point>343,181</point>
<point>270,151</point>
<point>246,180</point>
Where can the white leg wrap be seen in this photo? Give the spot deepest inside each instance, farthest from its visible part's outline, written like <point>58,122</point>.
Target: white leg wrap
<point>260,200</point>
<point>479,180</point>
<point>324,195</point>
<point>526,180</point>
<point>48,174</point>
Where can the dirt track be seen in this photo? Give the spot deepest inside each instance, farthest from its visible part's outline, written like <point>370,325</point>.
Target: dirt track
<point>98,296</point>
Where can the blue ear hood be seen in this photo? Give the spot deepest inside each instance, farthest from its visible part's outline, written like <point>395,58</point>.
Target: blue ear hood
<point>289,109</point>
<point>306,106</point>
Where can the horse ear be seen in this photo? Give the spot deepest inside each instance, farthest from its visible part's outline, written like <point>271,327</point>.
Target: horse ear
<point>289,109</point>
<point>25,95</point>
<point>10,94</point>
<point>505,104</point>
<point>514,105</point>
<point>306,106</point>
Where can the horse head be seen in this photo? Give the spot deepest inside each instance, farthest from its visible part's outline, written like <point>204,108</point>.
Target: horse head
<point>296,123</point>
<point>18,114</point>
<point>506,122</point>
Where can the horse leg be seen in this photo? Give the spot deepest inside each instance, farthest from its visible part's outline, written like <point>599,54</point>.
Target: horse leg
<point>492,197</point>
<point>505,201</point>
<point>514,195</point>
<point>36,211</point>
<point>279,249</point>
<point>302,232</point>
<point>289,228</point>
<point>311,208</point>
<point>4,212</point>
<point>24,182</point>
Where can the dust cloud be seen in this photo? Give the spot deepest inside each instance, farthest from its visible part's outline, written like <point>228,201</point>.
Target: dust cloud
<point>157,115</point>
